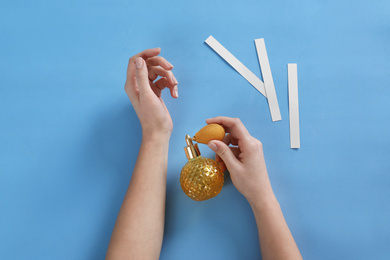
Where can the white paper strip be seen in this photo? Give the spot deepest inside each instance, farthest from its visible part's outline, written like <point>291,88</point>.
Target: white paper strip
<point>236,64</point>
<point>293,105</point>
<point>268,80</point>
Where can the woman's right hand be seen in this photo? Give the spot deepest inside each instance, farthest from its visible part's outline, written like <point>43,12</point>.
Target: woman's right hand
<point>244,160</point>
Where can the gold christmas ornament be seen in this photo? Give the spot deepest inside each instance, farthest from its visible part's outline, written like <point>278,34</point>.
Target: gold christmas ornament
<point>201,178</point>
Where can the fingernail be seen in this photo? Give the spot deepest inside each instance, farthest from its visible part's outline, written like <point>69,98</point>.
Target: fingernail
<point>174,80</point>
<point>139,62</point>
<point>213,146</point>
<point>169,64</point>
<point>175,92</point>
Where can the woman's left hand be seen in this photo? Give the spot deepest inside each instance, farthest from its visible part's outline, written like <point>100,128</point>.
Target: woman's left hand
<point>144,91</point>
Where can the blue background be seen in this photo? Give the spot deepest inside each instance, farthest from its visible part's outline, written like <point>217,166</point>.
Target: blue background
<point>69,136</point>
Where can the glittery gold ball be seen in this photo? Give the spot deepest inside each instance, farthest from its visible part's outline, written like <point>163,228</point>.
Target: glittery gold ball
<point>201,178</point>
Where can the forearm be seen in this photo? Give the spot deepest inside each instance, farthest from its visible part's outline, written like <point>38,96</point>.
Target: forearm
<point>276,240</point>
<point>139,228</point>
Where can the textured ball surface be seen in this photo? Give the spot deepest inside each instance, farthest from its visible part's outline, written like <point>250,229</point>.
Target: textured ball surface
<point>210,132</point>
<point>201,178</point>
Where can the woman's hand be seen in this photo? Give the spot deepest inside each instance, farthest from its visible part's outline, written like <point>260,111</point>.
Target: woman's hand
<point>244,160</point>
<point>144,92</point>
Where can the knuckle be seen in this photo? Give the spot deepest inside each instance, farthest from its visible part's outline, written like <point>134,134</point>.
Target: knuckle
<point>259,144</point>
<point>127,86</point>
<point>236,121</point>
<point>254,144</point>
<point>223,151</point>
<point>152,61</point>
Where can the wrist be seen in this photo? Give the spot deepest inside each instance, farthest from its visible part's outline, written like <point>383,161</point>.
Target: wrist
<point>156,136</point>
<point>263,200</point>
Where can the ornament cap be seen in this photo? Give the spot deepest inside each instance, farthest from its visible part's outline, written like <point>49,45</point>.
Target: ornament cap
<point>191,150</point>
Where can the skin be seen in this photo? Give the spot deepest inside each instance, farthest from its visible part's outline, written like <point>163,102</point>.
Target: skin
<point>139,228</point>
<point>246,165</point>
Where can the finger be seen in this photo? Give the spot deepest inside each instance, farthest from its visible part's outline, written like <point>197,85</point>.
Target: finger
<point>235,150</point>
<point>228,139</point>
<point>233,126</point>
<point>155,89</point>
<point>222,165</point>
<point>131,80</point>
<point>144,55</point>
<point>148,53</point>
<point>164,83</point>
<point>156,71</point>
<point>142,77</point>
<point>225,153</point>
<point>159,61</point>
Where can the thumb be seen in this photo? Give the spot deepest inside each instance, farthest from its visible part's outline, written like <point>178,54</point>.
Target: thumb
<point>141,75</point>
<point>225,153</point>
